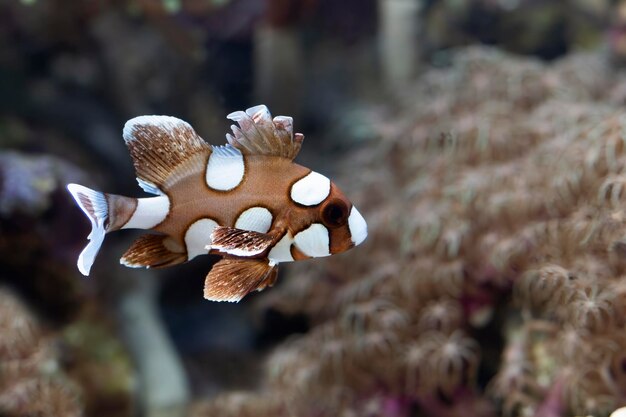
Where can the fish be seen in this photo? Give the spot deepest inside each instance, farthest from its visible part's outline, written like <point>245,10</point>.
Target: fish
<point>246,201</point>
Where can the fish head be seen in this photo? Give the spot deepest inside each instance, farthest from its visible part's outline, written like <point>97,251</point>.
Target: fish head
<point>334,223</point>
<point>346,226</point>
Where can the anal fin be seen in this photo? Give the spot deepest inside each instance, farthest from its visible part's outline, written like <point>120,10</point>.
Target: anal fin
<point>232,278</point>
<point>154,251</point>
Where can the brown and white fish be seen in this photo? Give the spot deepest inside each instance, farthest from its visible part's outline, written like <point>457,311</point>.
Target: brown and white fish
<point>247,201</point>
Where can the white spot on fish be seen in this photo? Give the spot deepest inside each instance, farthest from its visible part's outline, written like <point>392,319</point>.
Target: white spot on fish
<point>225,169</point>
<point>198,236</point>
<point>257,219</point>
<point>310,190</point>
<point>313,241</point>
<point>357,225</point>
<point>149,213</point>
<point>281,252</point>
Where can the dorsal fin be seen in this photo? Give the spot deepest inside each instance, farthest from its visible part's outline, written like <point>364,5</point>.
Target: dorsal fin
<point>259,134</point>
<point>158,144</point>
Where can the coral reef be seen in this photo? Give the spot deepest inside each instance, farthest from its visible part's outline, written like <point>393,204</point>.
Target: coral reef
<point>64,358</point>
<point>493,280</point>
<point>81,371</point>
<point>31,382</point>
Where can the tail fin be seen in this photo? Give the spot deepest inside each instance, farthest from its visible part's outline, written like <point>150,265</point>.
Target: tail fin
<point>94,205</point>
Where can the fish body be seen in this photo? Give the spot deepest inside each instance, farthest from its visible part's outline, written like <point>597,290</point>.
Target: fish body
<point>246,201</point>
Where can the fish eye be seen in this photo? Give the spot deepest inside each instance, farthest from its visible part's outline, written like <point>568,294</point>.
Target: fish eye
<point>335,213</point>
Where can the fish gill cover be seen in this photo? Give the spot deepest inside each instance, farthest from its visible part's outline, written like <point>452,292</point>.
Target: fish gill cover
<point>493,280</point>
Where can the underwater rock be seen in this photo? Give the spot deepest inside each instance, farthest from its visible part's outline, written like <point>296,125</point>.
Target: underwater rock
<point>399,24</point>
<point>163,386</point>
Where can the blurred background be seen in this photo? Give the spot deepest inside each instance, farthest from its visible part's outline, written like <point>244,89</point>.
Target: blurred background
<point>484,141</point>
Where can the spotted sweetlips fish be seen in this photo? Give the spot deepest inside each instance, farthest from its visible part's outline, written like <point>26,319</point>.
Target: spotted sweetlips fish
<point>246,201</point>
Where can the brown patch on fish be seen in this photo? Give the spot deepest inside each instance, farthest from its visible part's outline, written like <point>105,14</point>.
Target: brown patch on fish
<point>339,240</point>
<point>297,254</point>
<point>121,209</point>
<point>85,201</point>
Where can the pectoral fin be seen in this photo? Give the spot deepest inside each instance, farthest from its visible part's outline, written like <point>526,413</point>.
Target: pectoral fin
<point>242,243</point>
<point>232,278</point>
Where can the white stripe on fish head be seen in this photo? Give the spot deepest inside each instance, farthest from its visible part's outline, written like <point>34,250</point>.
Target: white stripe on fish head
<point>149,212</point>
<point>313,241</point>
<point>311,189</point>
<point>257,219</point>
<point>225,169</point>
<point>358,226</point>
<point>198,236</point>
